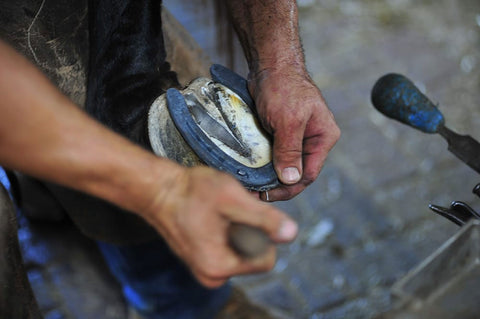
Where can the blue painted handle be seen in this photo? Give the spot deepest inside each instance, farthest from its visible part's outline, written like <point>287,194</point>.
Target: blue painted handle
<point>397,97</point>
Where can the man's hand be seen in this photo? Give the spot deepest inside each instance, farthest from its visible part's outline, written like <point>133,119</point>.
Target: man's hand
<point>290,106</point>
<point>194,216</point>
<point>293,110</point>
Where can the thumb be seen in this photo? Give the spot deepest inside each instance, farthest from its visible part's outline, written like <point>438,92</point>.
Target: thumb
<point>287,155</point>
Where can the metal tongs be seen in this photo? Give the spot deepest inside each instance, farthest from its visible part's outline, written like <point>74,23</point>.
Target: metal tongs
<point>458,212</point>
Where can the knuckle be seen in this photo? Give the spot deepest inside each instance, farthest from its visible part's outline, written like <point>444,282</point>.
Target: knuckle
<point>210,275</point>
<point>309,179</point>
<point>294,191</point>
<point>288,153</point>
<point>284,193</point>
<point>336,133</point>
<point>289,120</point>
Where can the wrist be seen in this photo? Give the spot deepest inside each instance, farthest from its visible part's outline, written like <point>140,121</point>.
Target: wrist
<point>278,60</point>
<point>279,75</point>
<point>165,183</point>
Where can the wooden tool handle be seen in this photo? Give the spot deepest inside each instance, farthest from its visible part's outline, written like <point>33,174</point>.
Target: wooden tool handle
<point>248,241</point>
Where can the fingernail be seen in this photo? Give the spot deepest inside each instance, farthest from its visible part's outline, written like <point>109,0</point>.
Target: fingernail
<point>290,175</point>
<point>288,230</point>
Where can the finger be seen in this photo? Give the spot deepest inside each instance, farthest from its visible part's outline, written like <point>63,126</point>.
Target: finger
<point>313,159</point>
<point>255,194</point>
<point>313,162</point>
<point>283,192</point>
<point>287,152</point>
<point>314,156</point>
<point>317,146</point>
<point>210,282</point>
<point>315,150</point>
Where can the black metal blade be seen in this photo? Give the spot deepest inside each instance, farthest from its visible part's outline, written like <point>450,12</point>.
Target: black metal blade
<point>464,147</point>
<point>215,129</point>
<point>456,217</point>
<point>465,208</point>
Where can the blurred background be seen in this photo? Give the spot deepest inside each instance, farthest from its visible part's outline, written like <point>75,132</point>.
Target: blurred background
<point>365,222</point>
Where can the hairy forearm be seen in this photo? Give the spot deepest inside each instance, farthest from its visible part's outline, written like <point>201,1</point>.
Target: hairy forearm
<point>45,135</point>
<point>268,31</point>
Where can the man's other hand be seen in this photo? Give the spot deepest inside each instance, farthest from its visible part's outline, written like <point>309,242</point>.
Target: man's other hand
<point>194,216</point>
<point>293,110</point>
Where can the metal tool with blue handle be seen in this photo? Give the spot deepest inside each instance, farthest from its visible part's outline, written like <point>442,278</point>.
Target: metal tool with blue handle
<point>397,97</point>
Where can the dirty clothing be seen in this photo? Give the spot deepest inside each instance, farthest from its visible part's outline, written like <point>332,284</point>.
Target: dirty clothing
<point>157,286</point>
<point>54,35</point>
